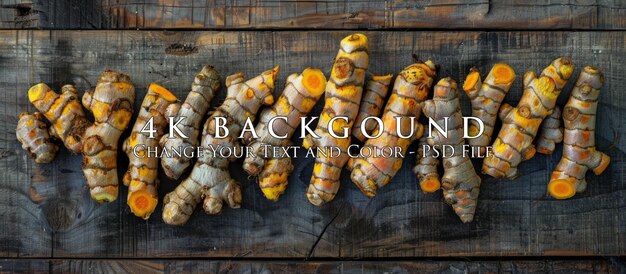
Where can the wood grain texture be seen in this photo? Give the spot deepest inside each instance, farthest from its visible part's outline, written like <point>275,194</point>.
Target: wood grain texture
<point>24,266</point>
<point>332,14</point>
<point>19,14</point>
<point>608,265</point>
<point>24,230</point>
<point>47,212</point>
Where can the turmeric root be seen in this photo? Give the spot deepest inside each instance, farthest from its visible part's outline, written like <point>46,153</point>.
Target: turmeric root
<point>520,124</point>
<point>426,167</point>
<point>141,177</point>
<point>486,98</point>
<point>33,133</point>
<point>299,96</point>
<point>209,178</point>
<point>579,151</point>
<point>460,183</point>
<point>64,113</point>
<point>551,132</point>
<point>343,95</point>
<point>376,90</point>
<point>400,116</point>
<point>203,89</point>
<point>112,106</point>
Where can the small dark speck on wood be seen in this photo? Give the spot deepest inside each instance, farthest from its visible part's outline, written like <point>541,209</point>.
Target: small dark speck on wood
<point>181,49</point>
<point>4,153</point>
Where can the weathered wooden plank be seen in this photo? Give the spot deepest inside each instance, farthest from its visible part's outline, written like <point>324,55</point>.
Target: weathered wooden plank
<point>19,14</point>
<point>23,230</point>
<point>24,266</point>
<point>513,218</point>
<point>613,265</point>
<point>333,14</point>
<point>590,265</point>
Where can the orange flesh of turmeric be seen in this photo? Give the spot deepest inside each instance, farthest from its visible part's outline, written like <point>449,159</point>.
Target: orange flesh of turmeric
<point>430,185</point>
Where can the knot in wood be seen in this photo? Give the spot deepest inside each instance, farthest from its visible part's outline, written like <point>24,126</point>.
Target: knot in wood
<point>181,49</point>
<point>61,214</point>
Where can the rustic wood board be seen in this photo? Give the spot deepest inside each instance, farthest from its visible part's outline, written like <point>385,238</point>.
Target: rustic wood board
<point>46,211</point>
<point>332,14</point>
<point>611,265</point>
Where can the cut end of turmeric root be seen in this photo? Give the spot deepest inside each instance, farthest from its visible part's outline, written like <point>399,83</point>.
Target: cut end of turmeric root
<point>104,194</point>
<point>142,204</point>
<point>604,163</point>
<point>561,189</point>
<point>314,81</point>
<point>162,92</point>
<point>354,41</point>
<point>37,92</point>
<point>430,185</point>
<point>503,73</point>
<point>471,80</point>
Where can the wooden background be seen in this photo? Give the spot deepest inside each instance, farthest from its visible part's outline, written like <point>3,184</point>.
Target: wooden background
<point>49,224</point>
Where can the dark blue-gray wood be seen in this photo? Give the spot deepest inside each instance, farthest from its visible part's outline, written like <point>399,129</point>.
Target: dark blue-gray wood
<point>608,265</point>
<point>46,210</point>
<point>334,14</point>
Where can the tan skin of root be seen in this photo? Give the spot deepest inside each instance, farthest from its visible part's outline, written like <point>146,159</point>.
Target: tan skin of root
<point>111,103</point>
<point>141,177</point>
<point>410,90</point>
<point>342,98</point>
<point>64,113</point>
<point>112,106</point>
<point>426,167</point>
<point>551,132</point>
<point>460,183</point>
<point>209,179</point>
<point>520,124</point>
<point>299,96</point>
<point>579,150</point>
<point>33,133</point>
<point>203,88</point>
<point>486,97</point>
<point>376,90</point>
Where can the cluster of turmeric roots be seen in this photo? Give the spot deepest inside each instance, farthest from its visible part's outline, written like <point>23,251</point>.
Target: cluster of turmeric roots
<point>347,108</point>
